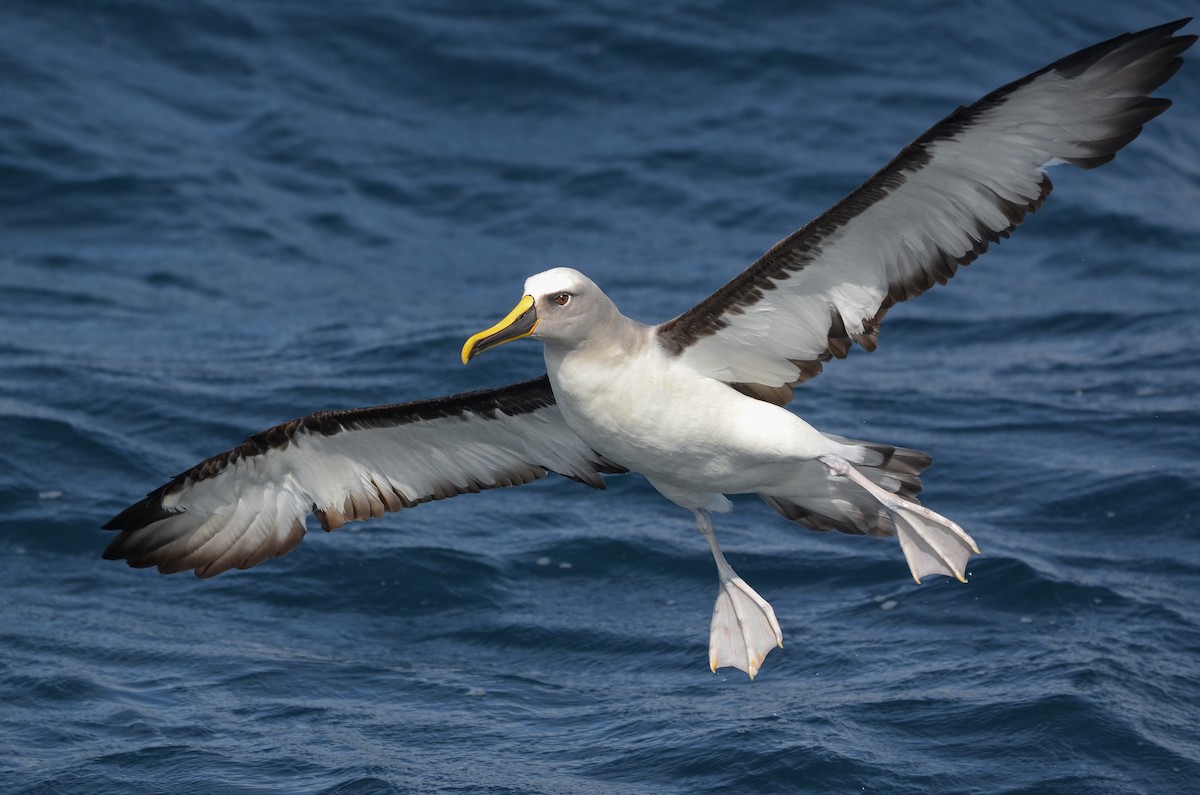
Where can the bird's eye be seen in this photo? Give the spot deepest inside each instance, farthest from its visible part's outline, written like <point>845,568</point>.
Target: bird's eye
<point>562,299</point>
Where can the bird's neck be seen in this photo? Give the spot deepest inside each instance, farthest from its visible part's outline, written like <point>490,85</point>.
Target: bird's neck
<point>615,338</point>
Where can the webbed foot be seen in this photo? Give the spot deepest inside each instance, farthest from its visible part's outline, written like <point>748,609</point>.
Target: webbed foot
<point>932,544</point>
<point>743,630</point>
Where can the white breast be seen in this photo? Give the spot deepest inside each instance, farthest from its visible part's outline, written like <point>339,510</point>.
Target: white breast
<point>652,414</point>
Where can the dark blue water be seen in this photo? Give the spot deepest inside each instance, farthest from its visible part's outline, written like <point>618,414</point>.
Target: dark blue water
<point>218,215</point>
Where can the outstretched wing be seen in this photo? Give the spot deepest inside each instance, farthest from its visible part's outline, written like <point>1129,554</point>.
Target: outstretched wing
<point>248,504</point>
<point>965,183</point>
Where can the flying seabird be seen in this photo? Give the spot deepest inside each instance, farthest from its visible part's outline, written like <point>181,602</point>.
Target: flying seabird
<point>695,404</point>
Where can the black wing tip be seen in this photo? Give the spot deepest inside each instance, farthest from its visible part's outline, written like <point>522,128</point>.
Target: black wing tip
<point>1147,37</point>
<point>118,549</point>
<point>140,514</point>
<point>1169,27</point>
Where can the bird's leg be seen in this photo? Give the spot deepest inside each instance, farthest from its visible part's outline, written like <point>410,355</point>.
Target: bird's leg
<point>743,628</point>
<point>932,544</point>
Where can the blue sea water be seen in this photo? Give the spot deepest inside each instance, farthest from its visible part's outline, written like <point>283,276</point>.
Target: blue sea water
<point>219,215</point>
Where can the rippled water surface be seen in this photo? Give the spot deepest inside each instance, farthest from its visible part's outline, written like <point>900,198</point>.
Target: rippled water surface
<point>218,215</point>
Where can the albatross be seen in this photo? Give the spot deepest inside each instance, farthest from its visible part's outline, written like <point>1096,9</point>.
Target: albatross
<point>695,404</point>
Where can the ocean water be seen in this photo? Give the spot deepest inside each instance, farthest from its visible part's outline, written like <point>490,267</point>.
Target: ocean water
<point>219,215</point>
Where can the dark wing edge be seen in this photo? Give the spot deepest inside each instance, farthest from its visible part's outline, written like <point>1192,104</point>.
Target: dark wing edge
<point>248,504</point>
<point>1156,55</point>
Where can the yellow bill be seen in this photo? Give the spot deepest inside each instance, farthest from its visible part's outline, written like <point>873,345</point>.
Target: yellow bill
<point>520,322</point>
